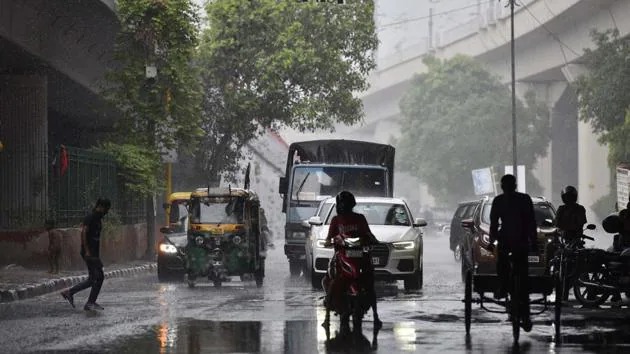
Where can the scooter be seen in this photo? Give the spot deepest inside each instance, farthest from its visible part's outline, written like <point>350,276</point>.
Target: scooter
<point>349,297</point>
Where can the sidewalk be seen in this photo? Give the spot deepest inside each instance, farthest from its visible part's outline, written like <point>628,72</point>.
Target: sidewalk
<point>19,283</point>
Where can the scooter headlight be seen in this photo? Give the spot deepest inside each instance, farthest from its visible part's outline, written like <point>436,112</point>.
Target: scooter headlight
<point>199,240</point>
<point>237,240</point>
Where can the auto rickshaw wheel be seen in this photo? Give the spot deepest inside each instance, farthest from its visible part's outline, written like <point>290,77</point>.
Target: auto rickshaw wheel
<point>468,301</point>
<point>190,280</point>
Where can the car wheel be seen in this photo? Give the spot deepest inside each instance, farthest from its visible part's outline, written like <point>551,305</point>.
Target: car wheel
<point>295,268</point>
<point>414,282</point>
<point>457,253</point>
<point>165,275</point>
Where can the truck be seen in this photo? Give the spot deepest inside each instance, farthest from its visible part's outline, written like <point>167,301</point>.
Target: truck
<point>319,169</point>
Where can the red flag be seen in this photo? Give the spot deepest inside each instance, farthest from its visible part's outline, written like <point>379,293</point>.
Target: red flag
<point>63,160</point>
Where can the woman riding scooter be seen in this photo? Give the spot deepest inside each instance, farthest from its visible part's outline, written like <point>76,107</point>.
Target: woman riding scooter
<point>346,224</point>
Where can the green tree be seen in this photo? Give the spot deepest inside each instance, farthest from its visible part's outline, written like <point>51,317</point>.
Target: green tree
<point>156,113</point>
<point>456,118</point>
<point>268,63</point>
<point>603,93</point>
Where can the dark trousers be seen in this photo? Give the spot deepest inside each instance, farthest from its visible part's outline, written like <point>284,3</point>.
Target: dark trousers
<point>94,280</point>
<point>521,269</point>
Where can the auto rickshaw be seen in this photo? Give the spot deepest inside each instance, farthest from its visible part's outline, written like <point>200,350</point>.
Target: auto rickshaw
<point>224,236</point>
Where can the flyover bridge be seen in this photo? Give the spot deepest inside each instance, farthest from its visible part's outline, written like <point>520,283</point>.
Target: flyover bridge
<point>550,38</point>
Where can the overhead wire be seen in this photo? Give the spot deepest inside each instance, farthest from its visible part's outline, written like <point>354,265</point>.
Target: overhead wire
<point>413,19</point>
<point>553,35</point>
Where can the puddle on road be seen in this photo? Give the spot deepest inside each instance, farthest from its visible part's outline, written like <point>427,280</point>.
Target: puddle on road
<point>307,336</point>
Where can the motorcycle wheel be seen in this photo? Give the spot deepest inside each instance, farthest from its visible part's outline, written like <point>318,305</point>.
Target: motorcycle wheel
<point>589,297</point>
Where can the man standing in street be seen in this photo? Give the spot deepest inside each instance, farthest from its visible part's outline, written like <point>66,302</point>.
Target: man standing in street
<point>514,213</point>
<point>90,252</point>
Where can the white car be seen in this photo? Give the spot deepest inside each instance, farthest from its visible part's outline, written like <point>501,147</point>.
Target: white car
<point>398,257</point>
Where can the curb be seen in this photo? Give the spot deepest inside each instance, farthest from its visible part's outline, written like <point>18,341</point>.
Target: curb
<point>59,284</point>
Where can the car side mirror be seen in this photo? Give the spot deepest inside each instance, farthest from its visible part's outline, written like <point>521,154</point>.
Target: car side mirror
<point>305,223</point>
<point>166,230</point>
<point>282,185</point>
<point>420,222</point>
<point>468,224</point>
<point>591,227</point>
<point>315,221</point>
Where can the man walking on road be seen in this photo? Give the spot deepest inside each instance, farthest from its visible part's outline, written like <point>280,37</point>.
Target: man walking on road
<point>90,252</point>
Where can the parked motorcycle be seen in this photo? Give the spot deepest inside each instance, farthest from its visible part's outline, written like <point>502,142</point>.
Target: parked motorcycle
<point>602,273</point>
<point>350,296</point>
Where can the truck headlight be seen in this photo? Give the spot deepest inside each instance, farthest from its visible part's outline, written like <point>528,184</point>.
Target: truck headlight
<point>167,248</point>
<point>298,234</point>
<point>404,245</point>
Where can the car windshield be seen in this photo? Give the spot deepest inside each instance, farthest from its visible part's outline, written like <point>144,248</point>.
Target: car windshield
<point>542,211</point>
<point>217,210</point>
<point>380,214</point>
<point>311,183</point>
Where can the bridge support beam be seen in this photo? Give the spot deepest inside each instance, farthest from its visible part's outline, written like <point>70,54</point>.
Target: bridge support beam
<point>24,161</point>
<point>594,175</point>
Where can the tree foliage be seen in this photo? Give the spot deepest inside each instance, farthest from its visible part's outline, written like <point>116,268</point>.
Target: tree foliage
<point>160,113</point>
<point>456,118</point>
<point>136,167</point>
<point>603,92</point>
<point>269,63</point>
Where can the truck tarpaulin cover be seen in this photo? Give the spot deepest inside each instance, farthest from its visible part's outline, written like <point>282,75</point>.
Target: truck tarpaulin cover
<point>343,152</point>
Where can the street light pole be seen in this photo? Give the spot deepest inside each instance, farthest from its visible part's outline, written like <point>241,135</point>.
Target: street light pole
<point>514,155</point>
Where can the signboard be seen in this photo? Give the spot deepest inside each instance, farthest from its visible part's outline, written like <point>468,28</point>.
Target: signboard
<point>520,178</point>
<point>623,186</point>
<point>482,181</point>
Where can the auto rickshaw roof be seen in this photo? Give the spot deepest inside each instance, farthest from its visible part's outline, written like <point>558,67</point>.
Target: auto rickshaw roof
<point>178,196</point>
<point>223,192</point>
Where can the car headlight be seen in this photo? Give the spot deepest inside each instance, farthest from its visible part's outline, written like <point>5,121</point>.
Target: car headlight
<point>199,240</point>
<point>321,243</point>
<point>237,240</point>
<point>404,245</point>
<point>167,248</point>
<point>298,234</point>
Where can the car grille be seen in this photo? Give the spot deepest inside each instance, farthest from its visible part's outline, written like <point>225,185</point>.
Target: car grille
<point>382,252</point>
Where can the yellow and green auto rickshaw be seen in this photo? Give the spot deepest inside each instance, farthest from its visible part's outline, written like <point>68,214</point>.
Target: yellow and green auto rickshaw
<point>224,236</point>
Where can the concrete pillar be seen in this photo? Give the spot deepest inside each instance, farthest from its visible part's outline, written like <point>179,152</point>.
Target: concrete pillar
<point>593,171</point>
<point>559,167</point>
<point>24,162</point>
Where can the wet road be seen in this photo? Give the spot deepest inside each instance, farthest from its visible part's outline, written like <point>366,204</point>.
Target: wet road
<point>144,316</point>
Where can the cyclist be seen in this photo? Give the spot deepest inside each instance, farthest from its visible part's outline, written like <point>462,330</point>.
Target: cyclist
<point>347,223</point>
<point>514,212</point>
